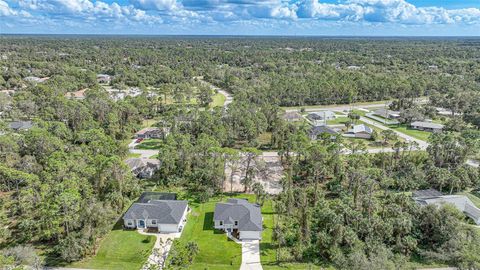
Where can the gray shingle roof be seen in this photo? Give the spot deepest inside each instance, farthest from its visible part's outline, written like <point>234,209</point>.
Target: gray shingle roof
<point>164,211</point>
<point>321,115</point>
<point>248,215</point>
<point>317,130</point>
<point>135,163</point>
<point>21,125</point>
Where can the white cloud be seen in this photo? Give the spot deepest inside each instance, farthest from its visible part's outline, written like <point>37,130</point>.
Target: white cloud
<point>155,4</point>
<point>393,11</point>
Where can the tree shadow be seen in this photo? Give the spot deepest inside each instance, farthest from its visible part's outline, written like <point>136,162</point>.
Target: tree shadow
<point>208,221</point>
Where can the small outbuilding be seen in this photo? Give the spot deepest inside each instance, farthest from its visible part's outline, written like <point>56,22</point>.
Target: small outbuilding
<point>20,125</point>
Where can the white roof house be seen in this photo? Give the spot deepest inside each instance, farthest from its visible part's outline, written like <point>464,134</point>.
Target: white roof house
<point>427,126</point>
<point>461,202</point>
<point>361,131</point>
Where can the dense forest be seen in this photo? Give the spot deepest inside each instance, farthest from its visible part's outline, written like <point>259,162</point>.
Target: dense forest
<point>63,183</point>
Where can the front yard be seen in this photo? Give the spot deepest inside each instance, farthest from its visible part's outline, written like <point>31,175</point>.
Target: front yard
<point>149,144</point>
<point>216,251</point>
<point>120,249</point>
<point>417,134</point>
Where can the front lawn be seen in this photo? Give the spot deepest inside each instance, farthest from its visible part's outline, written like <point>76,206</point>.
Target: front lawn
<point>338,120</point>
<point>417,134</point>
<point>218,100</point>
<point>120,249</point>
<point>149,144</point>
<point>216,251</point>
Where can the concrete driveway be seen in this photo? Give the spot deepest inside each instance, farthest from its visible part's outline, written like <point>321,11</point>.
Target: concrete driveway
<point>251,255</point>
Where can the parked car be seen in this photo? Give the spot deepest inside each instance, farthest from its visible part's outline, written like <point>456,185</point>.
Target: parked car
<point>139,140</point>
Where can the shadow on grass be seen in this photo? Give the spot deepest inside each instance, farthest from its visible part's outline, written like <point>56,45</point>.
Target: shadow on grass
<point>208,221</point>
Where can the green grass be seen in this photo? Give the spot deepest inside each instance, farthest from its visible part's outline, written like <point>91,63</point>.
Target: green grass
<point>474,198</point>
<point>338,121</point>
<point>120,249</point>
<point>417,134</point>
<point>216,251</point>
<point>218,100</point>
<point>133,155</point>
<point>149,144</point>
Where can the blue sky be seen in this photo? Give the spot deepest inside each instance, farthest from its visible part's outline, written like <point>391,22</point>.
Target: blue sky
<point>243,17</point>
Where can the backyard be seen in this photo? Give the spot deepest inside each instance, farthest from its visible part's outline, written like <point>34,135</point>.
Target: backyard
<point>120,249</point>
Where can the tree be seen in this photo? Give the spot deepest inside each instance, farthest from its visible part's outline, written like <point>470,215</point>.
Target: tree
<point>260,193</point>
<point>250,155</point>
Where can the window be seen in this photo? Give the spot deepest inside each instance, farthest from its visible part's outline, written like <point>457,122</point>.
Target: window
<point>236,223</point>
<point>154,221</point>
<point>130,223</point>
<point>221,223</point>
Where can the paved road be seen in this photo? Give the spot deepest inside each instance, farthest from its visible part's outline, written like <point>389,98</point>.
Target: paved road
<point>348,107</point>
<point>228,96</point>
<point>421,144</point>
<point>251,255</point>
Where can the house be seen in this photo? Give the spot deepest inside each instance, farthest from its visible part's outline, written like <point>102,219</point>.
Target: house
<point>427,126</point>
<point>79,95</point>
<point>165,216</point>
<point>34,79</point>
<point>446,112</point>
<point>292,117</point>
<point>361,131</point>
<point>387,113</point>
<point>461,202</point>
<point>319,118</point>
<point>143,168</point>
<point>104,78</point>
<point>316,131</point>
<point>152,133</point>
<point>239,218</point>
<point>21,125</point>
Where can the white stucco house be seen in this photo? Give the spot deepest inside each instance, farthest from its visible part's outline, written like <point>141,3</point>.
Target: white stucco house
<point>166,216</point>
<point>239,218</point>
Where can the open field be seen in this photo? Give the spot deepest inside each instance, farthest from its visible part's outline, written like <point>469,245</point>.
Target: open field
<point>120,249</point>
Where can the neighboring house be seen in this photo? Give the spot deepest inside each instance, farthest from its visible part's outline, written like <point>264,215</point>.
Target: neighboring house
<point>361,131</point>
<point>292,117</point>
<point>446,112</point>
<point>427,126</point>
<point>317,131</point>
<point>36,79</point>
<point>166,216</point>
<point>9,92</point>
<point>387,113</point>
<point>319,118</point>
<point>461,202</point>
<point>152,133</point>
<point>104,78</point>
<point>239,218</point>
<point>79,95</point>
<point>143,168</point>
<point>21,125</point>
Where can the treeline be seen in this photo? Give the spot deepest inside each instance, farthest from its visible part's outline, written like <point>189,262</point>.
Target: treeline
<point>63,183</point>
